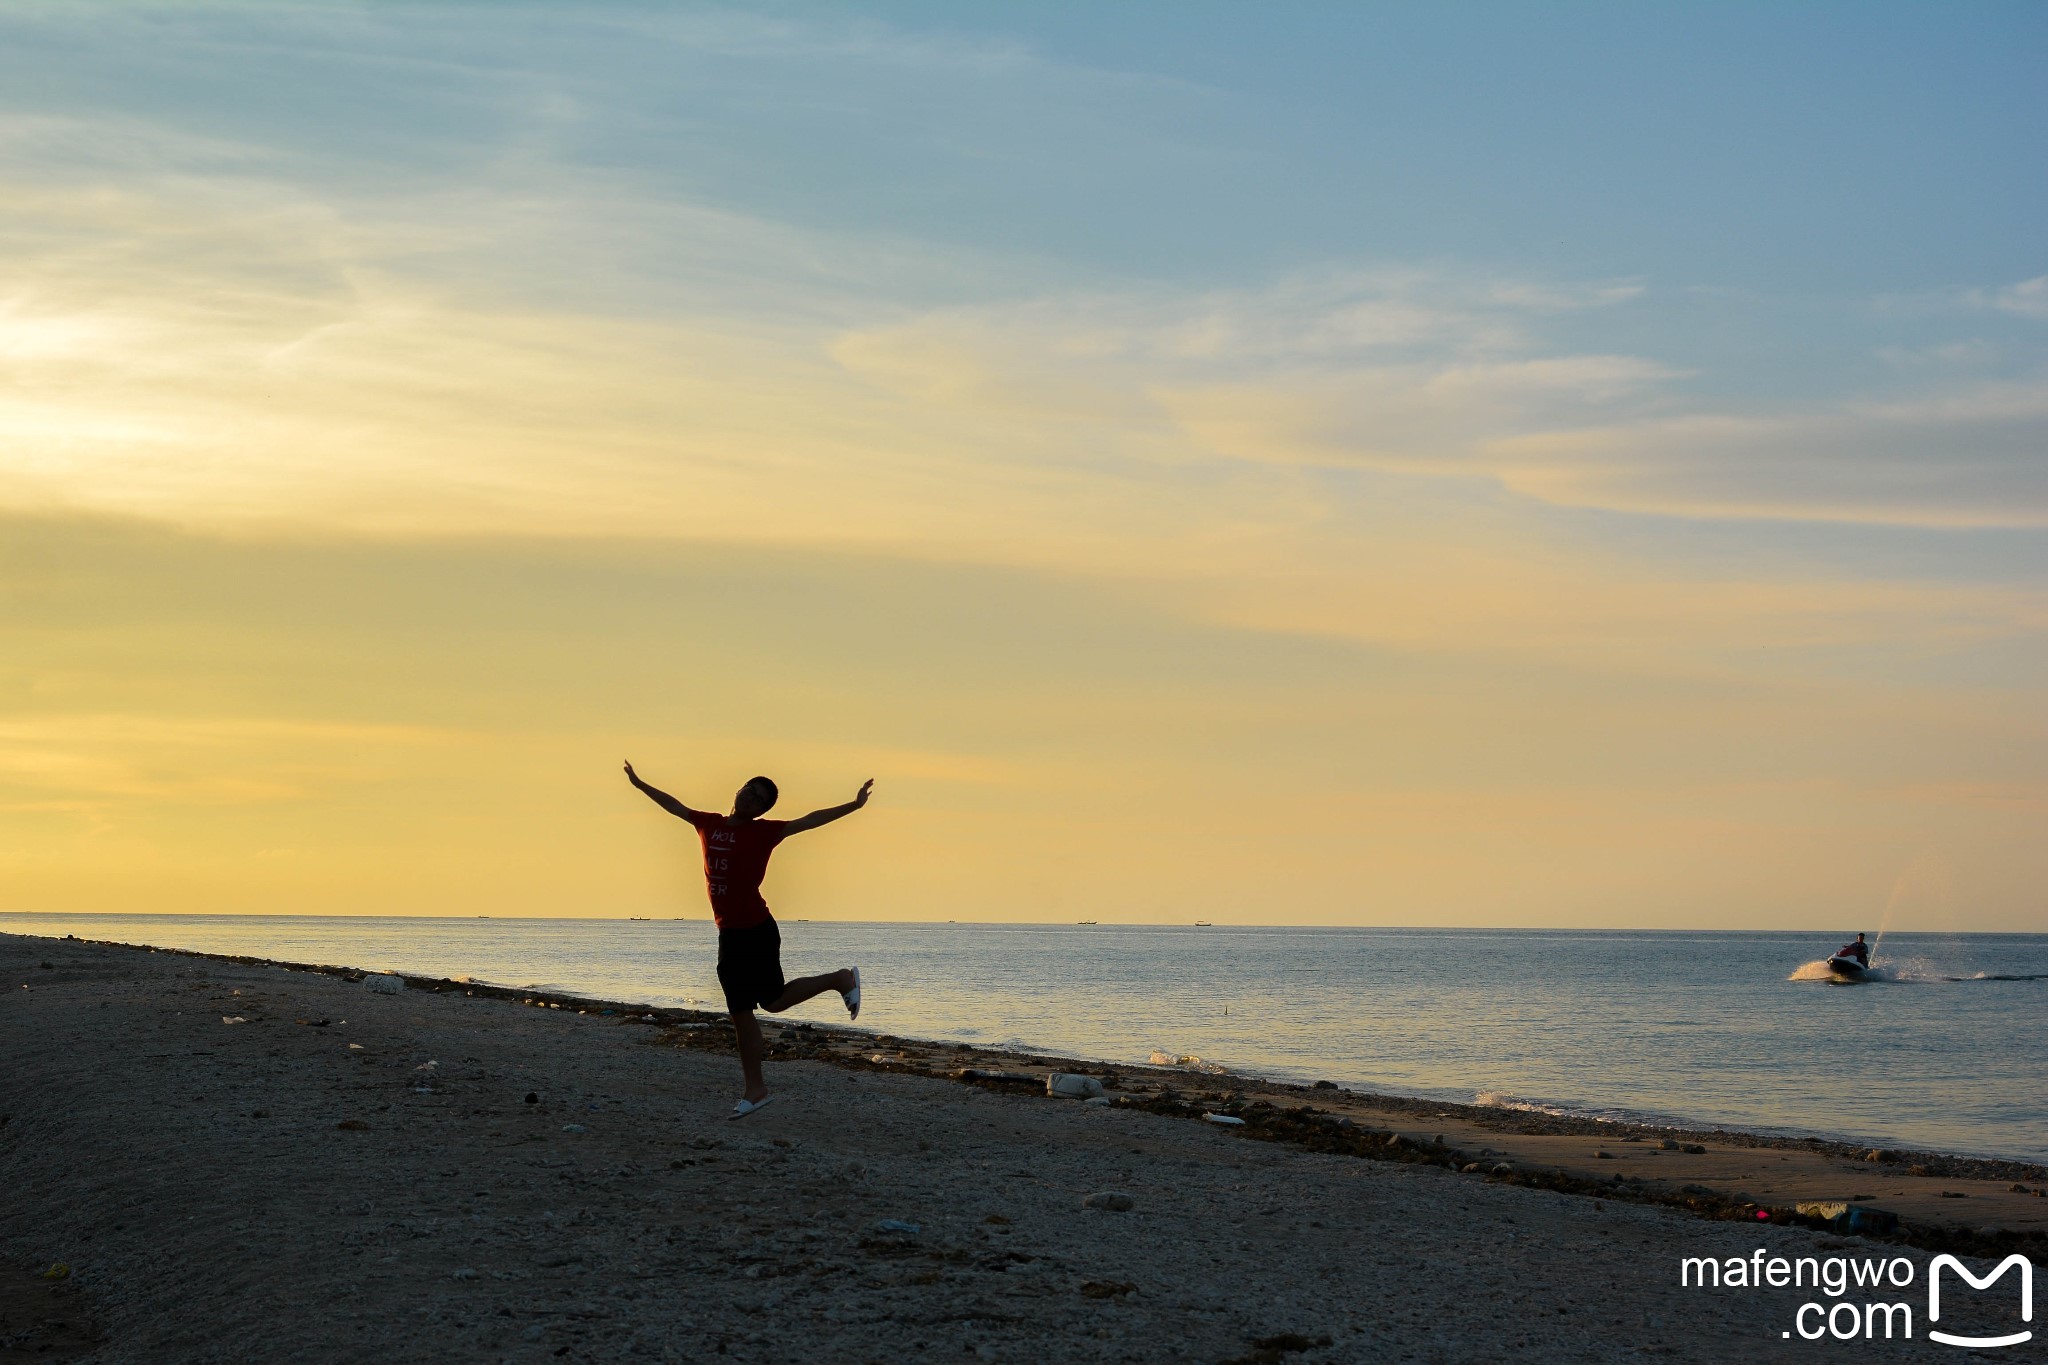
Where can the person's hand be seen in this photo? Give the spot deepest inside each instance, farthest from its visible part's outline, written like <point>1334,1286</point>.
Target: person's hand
<point>631,776</point>
<point>861,799</point>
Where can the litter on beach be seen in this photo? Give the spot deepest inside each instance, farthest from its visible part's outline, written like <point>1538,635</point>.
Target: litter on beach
<point>1226,1120</point>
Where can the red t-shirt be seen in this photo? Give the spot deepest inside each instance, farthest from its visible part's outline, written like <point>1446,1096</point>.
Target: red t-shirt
<point>735,860</point>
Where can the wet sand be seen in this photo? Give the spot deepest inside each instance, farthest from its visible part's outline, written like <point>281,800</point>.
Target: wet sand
<point>348,1175</point>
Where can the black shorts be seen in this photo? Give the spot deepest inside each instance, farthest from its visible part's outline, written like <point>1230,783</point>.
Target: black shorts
<point>750,965</point>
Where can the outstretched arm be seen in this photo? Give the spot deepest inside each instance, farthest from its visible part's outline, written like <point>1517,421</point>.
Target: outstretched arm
<point>660,797</point>
<point>830,813</point>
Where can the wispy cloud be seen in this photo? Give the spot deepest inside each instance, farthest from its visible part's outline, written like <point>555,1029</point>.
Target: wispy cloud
<point>516,331</point>
<point>2028,298</point>
<point>86,762</point>
<point>1975,456</point>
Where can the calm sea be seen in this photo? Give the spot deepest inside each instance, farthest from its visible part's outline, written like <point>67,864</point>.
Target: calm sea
<point>1951,1053</point>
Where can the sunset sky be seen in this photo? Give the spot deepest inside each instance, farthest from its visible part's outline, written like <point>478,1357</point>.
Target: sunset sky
<point>1409,464</point>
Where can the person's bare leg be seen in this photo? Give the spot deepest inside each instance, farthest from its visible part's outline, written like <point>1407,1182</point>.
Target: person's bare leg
<point>752,1049</point>
<point>747,1029</point>
<point>804,987</point>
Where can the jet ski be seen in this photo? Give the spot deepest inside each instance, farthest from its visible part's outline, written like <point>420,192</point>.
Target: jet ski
<point>1848,969</point>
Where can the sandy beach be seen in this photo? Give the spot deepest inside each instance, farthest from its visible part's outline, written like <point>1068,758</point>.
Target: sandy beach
<point>456,1173</point>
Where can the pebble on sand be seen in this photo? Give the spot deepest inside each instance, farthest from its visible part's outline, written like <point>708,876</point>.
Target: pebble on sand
<point>1112,1200</point>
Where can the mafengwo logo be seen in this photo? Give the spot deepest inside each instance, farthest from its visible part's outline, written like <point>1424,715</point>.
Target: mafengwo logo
<point>1847,1318</point>
<point>2026,1269</point>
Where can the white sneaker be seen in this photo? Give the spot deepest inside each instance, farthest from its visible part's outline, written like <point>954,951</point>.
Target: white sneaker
<point>852,997</point>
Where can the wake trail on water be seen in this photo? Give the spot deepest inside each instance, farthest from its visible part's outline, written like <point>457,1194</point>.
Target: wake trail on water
<point>2000,976</point>
<point>1914,973</point>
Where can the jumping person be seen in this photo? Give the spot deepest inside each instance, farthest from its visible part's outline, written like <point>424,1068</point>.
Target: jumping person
<point>736,849</point>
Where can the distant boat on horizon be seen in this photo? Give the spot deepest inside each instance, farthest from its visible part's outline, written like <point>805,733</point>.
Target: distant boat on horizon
<point>1202,924</point>
<point>1084,921</point>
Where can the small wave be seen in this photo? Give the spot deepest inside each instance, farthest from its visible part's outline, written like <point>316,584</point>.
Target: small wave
<point>1494,1099</point>
<point>1187,1061</point>
<point>1498,1099</point>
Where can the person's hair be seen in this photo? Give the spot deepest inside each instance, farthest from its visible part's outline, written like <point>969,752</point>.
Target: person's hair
<point>766,786</point>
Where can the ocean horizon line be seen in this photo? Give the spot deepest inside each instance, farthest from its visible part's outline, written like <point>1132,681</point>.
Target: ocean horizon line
<point>1821,931</point>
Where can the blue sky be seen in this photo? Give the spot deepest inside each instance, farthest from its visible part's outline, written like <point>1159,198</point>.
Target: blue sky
<point>1807,150</point>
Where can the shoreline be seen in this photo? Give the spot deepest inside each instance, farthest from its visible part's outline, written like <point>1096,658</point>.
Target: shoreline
<point>1725,1172</point>
<point>1468,1056</point>
<point>1594,1117</point>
